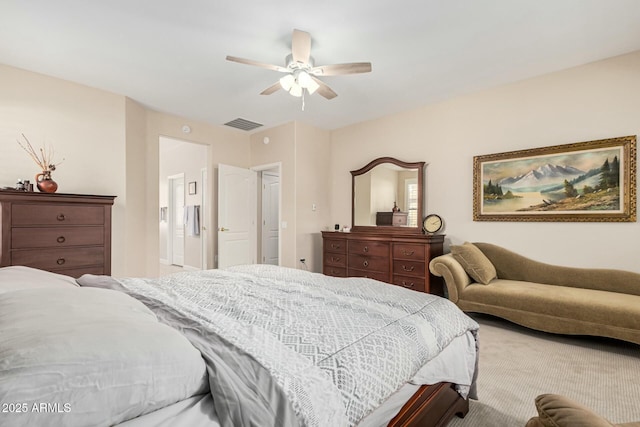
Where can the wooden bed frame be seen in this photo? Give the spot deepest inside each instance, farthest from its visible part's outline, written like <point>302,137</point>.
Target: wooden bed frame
<point>431,406</point>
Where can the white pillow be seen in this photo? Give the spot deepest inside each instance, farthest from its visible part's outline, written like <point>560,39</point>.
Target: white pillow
<point>19,277</point>
<point>87,356</point>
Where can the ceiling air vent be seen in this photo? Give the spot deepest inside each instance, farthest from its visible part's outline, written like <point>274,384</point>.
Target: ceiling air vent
<point>243,124</point>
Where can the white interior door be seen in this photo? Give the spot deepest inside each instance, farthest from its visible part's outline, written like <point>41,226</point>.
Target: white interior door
<point>176,219</point>
<point>237,212</point>
<point>270,217</point>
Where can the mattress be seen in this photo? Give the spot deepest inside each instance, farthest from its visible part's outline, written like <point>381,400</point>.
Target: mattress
<point>99,357</point>
<point>455,364</point>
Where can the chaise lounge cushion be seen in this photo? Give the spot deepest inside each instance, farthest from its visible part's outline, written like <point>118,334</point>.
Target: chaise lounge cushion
<point>474,262</point>
<point>556,308</point>
<point>550,298</point>
<point>555,410</point>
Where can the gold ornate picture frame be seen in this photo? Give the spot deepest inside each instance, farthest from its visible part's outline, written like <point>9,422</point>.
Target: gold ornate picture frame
<point>584,181</point>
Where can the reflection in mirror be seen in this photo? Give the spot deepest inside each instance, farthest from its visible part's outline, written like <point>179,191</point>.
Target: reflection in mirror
<point>386,195</point>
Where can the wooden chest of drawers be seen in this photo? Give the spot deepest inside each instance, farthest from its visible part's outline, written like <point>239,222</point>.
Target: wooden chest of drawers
<point>64,233</point>
<point>398,259</point>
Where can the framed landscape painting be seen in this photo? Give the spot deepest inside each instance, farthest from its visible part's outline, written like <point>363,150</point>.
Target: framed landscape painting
<point>584,181</point>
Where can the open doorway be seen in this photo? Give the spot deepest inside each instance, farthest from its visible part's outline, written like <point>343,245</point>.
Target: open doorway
<point>269,229</point>
<point>269,206</point>
<point>183,197</point>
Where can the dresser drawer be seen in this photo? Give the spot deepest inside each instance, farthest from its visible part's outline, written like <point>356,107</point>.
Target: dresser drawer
<point>369,248</point>
<point>335,271</point>
<point>53,214</point>
<point>335,246</point>
<point>413,283</point>
<point>57,259</point>
<point>368,263</point>
<point>408,268</point>
<point>377,275</point>
<point>408,251</point>
<point>336,260</point>
<point>41,237</point>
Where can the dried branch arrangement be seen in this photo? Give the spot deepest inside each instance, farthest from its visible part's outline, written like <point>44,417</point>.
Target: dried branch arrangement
<point>43,157</point>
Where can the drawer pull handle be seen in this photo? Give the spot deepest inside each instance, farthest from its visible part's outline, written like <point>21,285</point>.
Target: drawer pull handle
<point>405,268</point>
<point>366,263</point>
<point>61,239</point>
<point>61,261</point>
<point>407,285</point>
<point>407,253</point>
<point>335,259</point>
<point>365,249</point>
<point>61,217</point>
<point>334,246</point>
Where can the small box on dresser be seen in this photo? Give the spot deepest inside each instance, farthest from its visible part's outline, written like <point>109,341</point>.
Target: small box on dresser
<point>63,233</point>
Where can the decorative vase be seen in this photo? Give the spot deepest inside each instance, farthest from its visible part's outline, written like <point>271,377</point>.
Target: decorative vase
<point>395,208</point>
<point>44,182</point>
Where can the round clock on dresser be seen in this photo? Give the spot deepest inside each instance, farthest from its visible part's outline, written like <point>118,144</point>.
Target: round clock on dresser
<point>432,223</point>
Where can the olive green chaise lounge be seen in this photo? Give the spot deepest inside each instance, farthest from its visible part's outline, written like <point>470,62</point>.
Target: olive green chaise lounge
<point>486,278</point>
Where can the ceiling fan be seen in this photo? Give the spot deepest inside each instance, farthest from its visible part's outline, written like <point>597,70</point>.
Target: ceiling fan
<point>301,72</point>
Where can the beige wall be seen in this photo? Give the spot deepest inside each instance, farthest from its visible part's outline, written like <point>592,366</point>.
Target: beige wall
<point>313,184</point>
<point>136,210</point>
<point>85,126</point>
<point>110,146</point>
<point>303,153</point>
<point>594,101</point>
<point>281,149</point>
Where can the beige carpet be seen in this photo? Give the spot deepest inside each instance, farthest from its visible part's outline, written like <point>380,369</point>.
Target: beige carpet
<point>517,364</point>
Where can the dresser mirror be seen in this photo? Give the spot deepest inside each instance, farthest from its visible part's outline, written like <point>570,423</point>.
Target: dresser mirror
<point>387,196</point>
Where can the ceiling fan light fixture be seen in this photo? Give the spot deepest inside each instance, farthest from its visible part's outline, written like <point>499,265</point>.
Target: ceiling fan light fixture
<point>304,79</point>
<point>296,90</point>
<point>301,72</point>
<point>287,82</point>
<point>312,87</point>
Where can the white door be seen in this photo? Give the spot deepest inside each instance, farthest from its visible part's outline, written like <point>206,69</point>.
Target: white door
<point>270,217</point>
<point>176,217</point>
<point>237,212</point>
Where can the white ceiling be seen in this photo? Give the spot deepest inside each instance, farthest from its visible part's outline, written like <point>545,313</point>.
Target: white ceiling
<point>169,55</point>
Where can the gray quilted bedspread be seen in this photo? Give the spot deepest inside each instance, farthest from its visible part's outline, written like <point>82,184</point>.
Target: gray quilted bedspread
<point>293,348</point>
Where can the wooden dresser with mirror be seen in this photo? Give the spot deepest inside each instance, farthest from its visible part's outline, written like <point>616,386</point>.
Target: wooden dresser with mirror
<point>398,253</point>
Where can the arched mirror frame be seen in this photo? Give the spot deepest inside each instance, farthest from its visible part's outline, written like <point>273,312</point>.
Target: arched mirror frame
<point>383,228</point>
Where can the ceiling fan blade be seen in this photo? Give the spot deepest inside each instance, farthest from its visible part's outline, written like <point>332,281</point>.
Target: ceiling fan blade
<point>301,46</point>
<point>257,64</point>
<point>324,90</point>
<point>337,69</point>
<point>271,89</point>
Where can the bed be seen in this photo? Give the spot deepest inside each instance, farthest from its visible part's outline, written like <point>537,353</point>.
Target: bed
<point>245,346</point>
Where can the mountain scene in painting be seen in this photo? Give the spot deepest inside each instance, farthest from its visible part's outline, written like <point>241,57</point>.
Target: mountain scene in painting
<point>581,181</point>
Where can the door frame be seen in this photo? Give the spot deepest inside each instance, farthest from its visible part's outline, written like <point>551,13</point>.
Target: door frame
<point>204,215</point>
<point>278,168</point>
